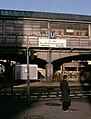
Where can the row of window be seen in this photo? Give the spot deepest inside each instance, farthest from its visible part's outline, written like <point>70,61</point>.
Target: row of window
<point>74,68</point>
<point>42,27</point>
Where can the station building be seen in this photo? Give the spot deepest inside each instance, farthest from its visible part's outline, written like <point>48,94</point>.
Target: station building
<point>61,42</point>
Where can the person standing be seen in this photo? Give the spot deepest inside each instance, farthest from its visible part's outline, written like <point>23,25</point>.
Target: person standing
<point>65,96</point>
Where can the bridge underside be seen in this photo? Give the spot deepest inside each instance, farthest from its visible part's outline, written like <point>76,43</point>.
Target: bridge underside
<point>21,58</point>
<point>57,63</point>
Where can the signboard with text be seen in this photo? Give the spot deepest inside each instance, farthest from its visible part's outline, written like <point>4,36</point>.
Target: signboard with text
<point>56,43</point>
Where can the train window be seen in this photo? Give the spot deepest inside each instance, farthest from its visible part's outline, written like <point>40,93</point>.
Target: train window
<point>70,68</point>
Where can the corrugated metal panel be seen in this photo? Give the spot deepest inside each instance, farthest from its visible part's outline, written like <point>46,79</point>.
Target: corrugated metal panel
<point>44,15</point>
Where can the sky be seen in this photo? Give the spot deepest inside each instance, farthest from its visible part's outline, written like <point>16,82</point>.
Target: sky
<point>82,7</point>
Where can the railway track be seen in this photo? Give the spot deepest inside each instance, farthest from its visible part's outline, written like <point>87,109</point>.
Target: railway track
<point>43,92</point>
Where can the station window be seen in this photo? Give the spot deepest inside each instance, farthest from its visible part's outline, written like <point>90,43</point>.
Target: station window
<point>1,26</point>
<point>43,28</point>
<point>9,26</point>
<point>73,29</point>
<point>81,29</point>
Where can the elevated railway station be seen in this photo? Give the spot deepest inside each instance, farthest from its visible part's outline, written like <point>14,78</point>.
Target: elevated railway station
<point>58,43</point>
<point>53,44</point>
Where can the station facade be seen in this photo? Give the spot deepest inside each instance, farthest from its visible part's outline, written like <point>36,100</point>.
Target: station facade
<point>61,42</point>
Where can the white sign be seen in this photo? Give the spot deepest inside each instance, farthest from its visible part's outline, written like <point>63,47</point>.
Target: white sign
<point>57,43</point>
<point>69,30</point>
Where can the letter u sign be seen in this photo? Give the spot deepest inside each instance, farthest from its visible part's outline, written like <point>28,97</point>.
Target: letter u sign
<point>52,34</point>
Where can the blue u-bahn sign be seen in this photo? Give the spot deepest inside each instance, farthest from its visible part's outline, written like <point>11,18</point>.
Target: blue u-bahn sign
<point>52,35</point>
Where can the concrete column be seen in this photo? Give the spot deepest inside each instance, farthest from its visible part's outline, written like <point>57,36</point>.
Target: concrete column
<point>89,31</point>
<point>89,34</point>
<point>49,71</point>
<point>49,29</point>
<point>49,66</point>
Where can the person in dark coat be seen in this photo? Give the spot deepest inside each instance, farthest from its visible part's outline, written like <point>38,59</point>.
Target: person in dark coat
<point>65,90</point>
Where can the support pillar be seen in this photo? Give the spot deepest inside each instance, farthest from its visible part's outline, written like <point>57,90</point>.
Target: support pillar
<point>89,31</point>
<point>49,67</point>
<point>89,34</point>
<point>49,71</point>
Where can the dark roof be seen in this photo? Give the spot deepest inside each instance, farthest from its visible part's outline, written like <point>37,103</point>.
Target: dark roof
<point>44,15</point>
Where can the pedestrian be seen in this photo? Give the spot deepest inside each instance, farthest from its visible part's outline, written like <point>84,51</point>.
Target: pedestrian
<point>65,96</point>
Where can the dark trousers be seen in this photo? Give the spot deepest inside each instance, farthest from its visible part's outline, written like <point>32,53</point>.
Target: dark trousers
<point>65,105</point>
